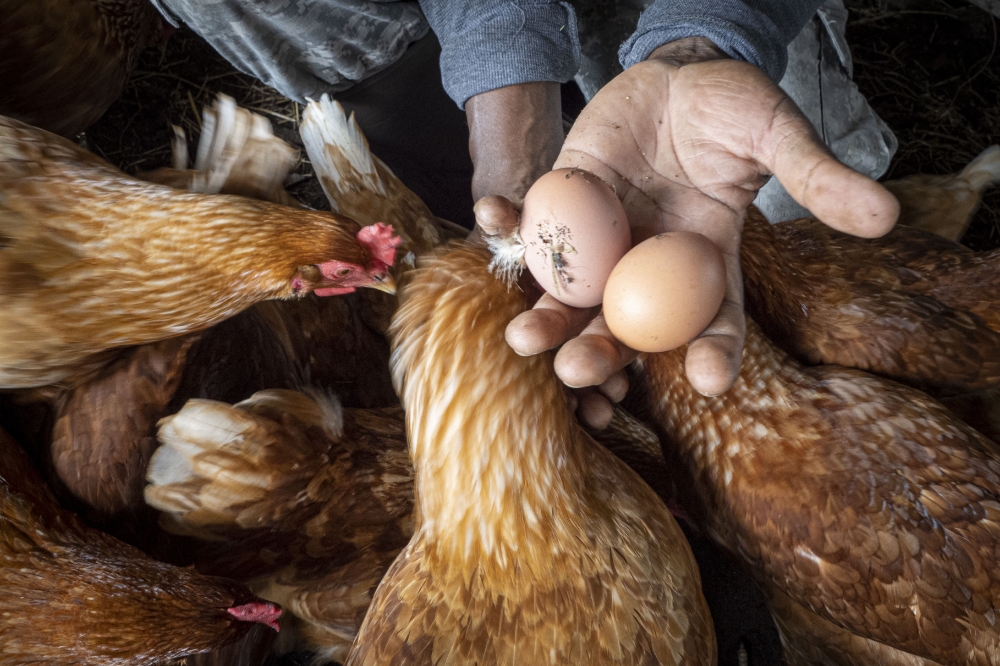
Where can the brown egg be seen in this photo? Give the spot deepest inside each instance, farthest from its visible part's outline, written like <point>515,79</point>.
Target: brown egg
<point>665,291</point>
<point>575,231</point>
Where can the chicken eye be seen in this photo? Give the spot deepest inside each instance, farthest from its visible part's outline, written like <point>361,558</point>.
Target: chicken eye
<point>343,272</point>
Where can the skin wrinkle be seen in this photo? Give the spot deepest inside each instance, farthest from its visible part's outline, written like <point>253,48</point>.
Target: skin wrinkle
<point>677,195</point>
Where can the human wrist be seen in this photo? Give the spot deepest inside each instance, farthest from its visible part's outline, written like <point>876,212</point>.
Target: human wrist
<point>515,134</point>
<point>688,50</point>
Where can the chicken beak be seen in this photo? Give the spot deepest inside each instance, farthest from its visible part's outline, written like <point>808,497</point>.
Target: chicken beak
<point>384,283</point>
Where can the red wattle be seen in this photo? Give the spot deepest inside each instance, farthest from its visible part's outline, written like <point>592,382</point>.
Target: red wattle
<point>258,611</point>
<point>334,291</point>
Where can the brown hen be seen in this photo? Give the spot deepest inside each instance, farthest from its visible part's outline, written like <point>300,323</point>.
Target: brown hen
<point>533,544</point>
<point>105,427</point>
<point>64,62</point>
<point>75,596</point>
<point>92,260</point>
<point>307,503</point>
<point>910,306</point>
<point>944,205</point>
<point>867,512</point>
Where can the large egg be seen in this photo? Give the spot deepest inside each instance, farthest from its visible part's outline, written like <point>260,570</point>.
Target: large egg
<point>575,231</point>
<point>665,291</point>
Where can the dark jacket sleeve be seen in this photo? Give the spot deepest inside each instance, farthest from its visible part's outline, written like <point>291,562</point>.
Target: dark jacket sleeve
<point>755,31</point>
<point>489,44</point>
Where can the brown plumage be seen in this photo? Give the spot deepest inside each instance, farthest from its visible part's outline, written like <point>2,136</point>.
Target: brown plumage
<point>307,502</point>
<point>309,513</point>
<point>92,260</point>
<point>75,596</point>
<point>867,512</point>
<point>910,306</point>
<point>533,544</point>
<point>105,426</point>
<point>324,541</point>
<point>102,437</point>
<point>64,62</point>
<point>944,205</point>
<point>358,184</point>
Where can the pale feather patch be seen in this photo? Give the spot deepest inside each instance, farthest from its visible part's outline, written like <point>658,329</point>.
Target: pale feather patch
<point>168,466</point>
<point>336,146</point>
<point>508,257</point>
<point>984,170</point>
<point>331,411</point>
<point>235,146</point>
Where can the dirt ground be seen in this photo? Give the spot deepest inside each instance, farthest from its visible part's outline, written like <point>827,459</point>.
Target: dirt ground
<point>930,68</point>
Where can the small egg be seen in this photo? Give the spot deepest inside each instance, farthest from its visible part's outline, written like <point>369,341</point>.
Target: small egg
<point>575,231</point>
<point>665,291</point>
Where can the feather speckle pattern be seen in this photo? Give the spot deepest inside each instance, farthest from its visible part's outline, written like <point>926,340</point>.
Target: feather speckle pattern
<point>92,259</point>
<point>557,553</point>
<point>867,511</point>
<point>75,596</point>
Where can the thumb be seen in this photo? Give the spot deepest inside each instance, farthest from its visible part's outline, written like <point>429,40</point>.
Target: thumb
<point>496,215</point>
<point>838,195</point>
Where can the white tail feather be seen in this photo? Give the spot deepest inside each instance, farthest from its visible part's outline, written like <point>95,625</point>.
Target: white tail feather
<point>216,461</point>
<point>336,147</point>
<point>235,146</point>
<point>983,171</point>
<point>179,148</point>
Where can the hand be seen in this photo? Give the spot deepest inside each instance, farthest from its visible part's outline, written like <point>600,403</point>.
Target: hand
<point>686,139</point>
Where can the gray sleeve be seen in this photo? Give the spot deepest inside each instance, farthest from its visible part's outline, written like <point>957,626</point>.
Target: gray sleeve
<point>489,44</point>
<point>755,31</point>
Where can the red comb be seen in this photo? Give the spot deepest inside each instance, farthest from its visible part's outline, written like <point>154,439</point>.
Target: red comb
<point>258,611</point>
<point>380,239</point>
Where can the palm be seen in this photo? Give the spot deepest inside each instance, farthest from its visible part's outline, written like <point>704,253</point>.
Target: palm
<point>687,148</point>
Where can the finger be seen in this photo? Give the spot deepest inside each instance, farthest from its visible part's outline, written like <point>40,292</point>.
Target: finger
<point>615,387</point>
<point>496,215</point>
<point>713,358</point>
<point>546,326</point>
<point>593,357</point>
<point>839,196</point>
<point>594,410</point>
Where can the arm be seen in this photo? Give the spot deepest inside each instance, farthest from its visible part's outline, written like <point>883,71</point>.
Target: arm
<point>503,61</point>
<point>515,134</point>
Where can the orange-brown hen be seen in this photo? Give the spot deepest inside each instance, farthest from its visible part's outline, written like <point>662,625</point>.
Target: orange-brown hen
<point>910,306</point>
<point>867,512</point>
<point>92,260</point>
<point>308,503</point>
<point>533,544</point>
<point>75,596</point>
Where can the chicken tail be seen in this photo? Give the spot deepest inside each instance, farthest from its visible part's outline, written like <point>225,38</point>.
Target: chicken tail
<point>983,171</point>
<point>338,151</point>
<point>237,154</point>
<point>222,467</point>
<point>944,205</point>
